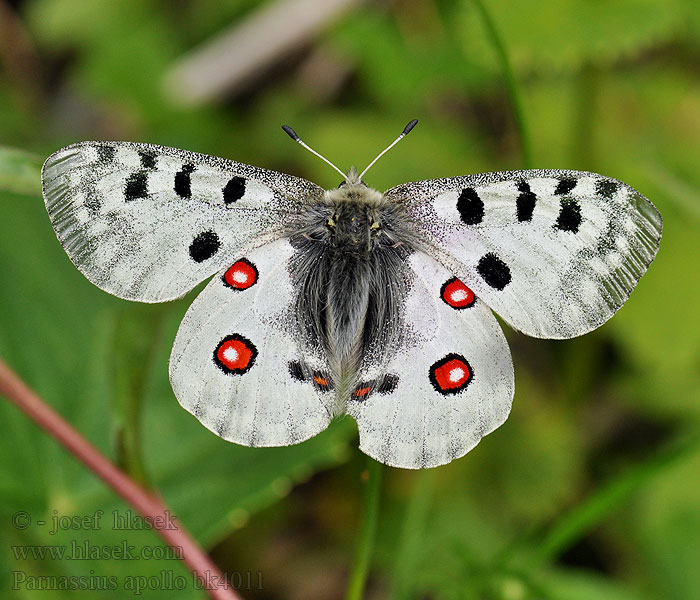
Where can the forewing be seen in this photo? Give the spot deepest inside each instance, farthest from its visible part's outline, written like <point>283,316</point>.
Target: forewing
<point>148,223</point>
<point>555,253</point>
<point>448,384</point>
<point>238,363</point>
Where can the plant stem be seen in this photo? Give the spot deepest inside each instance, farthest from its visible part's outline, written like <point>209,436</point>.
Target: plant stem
<point>409,546</point>
<point>147,503</point>
<point>358,577</point>
<point>511,84</point>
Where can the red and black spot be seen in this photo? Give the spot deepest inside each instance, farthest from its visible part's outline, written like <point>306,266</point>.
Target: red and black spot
<point>451,374</point>
<point>321,381</point>
<point>235,354</point>
<point>457,295</point>
<point>241,275</point>
<point>382,385</point>
<point>301,373</point>
<point>363,390</point>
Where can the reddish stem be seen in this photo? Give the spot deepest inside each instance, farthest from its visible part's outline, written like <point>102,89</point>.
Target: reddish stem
<point>147,503</point>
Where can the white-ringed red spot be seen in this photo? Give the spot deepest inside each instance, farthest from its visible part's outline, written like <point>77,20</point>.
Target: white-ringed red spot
<point>235,354</point>
<point>457,295</point>
<point>241,275</point>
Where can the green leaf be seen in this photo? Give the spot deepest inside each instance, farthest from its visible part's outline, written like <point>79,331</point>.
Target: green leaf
<point>20,172</point>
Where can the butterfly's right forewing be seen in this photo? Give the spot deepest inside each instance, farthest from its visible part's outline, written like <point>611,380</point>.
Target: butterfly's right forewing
<point>555,253</point>
<point>148,223</point>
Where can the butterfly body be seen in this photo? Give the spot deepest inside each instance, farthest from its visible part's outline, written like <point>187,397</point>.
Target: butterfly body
<point>349,271</point>
<point>350,300</point>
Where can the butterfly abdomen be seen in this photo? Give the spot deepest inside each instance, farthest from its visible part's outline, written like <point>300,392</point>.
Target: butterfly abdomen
<point>351,250</point>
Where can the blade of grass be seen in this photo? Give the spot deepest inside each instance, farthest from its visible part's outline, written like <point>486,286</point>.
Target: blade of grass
<point>358,576</point>
<point>510,82</point>
<point>606,500</point>
<point>412,531</point>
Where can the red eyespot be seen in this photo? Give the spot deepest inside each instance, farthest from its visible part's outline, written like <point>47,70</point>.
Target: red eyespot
<point>321,381</point>
<point>362,392</point>
<point>241,275</point>
<point>456,294</point>
<point>235,354</point>
<point>451,374</point>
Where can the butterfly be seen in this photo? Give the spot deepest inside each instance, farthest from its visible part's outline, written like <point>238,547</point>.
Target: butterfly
<point>349,300</point>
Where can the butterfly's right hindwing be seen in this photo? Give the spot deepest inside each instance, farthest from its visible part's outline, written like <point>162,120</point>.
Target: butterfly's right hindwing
<point>239,364</point>
<point>447,385</point>
<point>148,223</point>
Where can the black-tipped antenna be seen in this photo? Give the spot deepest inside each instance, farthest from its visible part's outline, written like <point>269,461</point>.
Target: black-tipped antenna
<point>293,134</point>
<point>404,133</point>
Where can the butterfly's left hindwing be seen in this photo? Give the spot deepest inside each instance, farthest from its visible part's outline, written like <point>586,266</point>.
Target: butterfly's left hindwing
<point>148,223</point>
<point>555,253</point>
<point>238,363</point>
<point>448,384</point>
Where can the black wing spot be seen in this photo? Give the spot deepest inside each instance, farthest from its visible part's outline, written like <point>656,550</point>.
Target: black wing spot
<point>234,190</point>
<point>148,159</point>
<point>296,370</point>
<point>565,185</point>
<point>607,187</point>
<point>105,153</point>
<point>204,246</point>
<point>136,186</point>
<point>494,271</point>
<point>523,186</point>
<point>569,218</point>
<point>525,202</point>
<point>470,207</point>
<point>387,383</point>
<point>183,182</point>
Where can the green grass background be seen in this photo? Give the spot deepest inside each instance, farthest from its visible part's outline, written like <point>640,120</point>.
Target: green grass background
<point>592,487</point>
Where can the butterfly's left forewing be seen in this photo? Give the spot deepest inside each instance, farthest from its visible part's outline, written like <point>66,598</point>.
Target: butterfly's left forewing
<point>148,223</point>
<point>555,253</point>
<point>448,384</point>
<point>239,364</point>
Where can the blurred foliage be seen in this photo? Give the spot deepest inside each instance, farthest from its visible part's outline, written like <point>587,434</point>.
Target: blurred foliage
<point>591,488</point>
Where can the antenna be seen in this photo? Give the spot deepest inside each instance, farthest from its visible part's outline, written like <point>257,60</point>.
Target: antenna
<point>404,133</point>
<point>293,134</point>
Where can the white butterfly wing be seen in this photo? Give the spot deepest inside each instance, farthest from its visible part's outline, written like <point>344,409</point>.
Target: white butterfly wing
<point>148,223</point>
<point>555,253</point>
<point>447,386</point>
<point>238,363</point>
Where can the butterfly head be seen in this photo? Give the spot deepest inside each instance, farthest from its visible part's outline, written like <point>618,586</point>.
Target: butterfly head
<point>352,178</point>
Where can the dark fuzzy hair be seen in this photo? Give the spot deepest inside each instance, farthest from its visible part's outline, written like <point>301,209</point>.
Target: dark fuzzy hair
<point>349,273</point>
